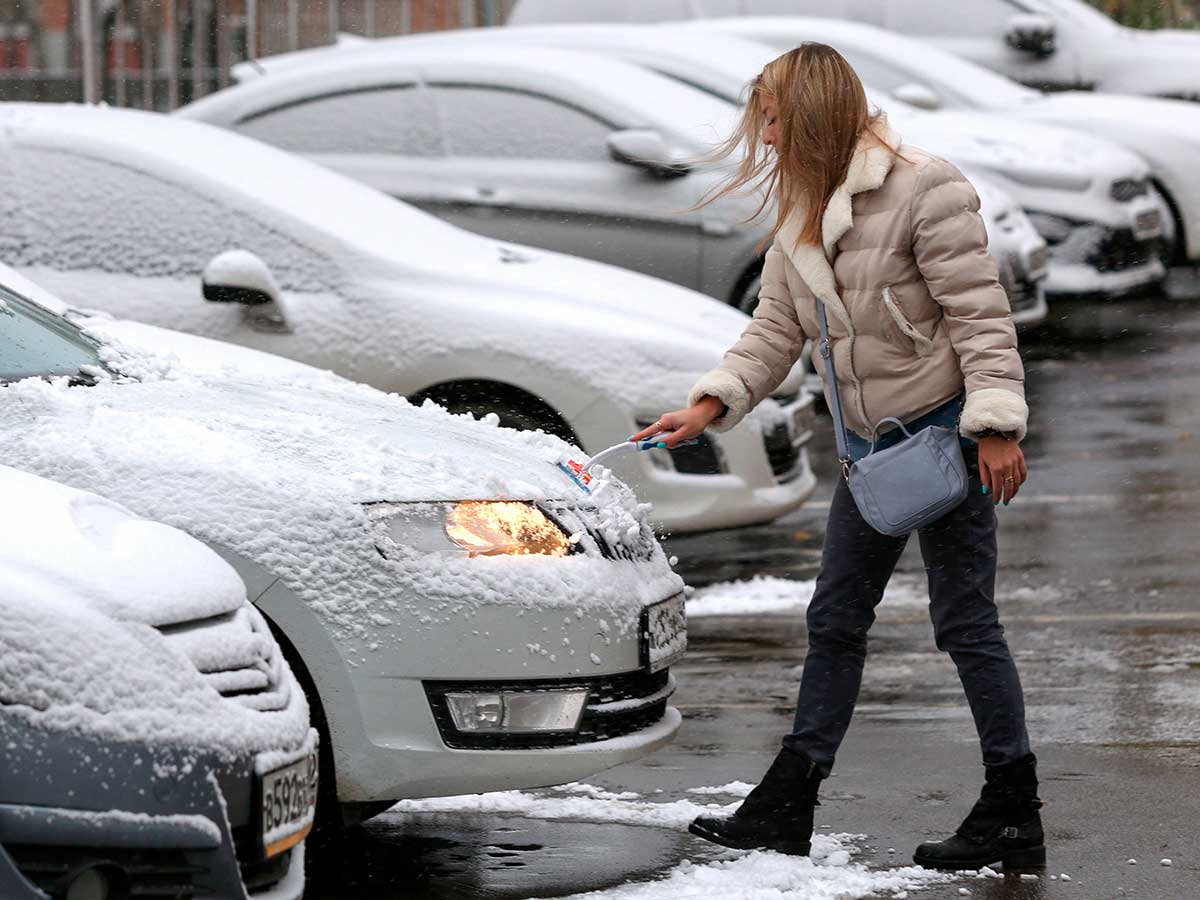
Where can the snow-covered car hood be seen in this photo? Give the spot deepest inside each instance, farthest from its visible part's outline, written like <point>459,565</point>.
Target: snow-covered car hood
<point>56,541</point>
<point>306,425</point>
<point>86,586</point>
<point>1033,154</point>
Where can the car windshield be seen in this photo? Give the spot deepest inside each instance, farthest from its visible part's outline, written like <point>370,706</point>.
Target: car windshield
<point>36,343</point>
<point>958,82</point>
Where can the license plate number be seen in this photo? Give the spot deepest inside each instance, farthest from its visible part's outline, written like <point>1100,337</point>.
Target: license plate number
<point>666,633</point>
<point>1148,224</point>
<point>289,802</point>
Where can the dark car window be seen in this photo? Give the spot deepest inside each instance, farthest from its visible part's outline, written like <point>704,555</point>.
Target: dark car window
<point>399,120</point>
<point>37,343</point>
<point>508,124</point>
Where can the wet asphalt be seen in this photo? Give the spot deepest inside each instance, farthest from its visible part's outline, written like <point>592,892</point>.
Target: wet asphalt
<point>1099,588</point>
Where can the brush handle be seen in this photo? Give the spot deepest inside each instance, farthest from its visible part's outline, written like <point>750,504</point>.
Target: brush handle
<point>650,443</point>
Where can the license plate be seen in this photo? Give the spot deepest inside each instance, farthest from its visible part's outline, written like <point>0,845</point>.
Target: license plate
<point>1147,224</point>
<point>289,802</point>
<point>665,633</point>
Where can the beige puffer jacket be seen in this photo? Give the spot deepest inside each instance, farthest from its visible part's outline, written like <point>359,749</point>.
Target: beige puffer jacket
<point>914,305</point>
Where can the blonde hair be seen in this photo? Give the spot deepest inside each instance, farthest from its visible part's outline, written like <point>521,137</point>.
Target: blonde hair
<point>822,113</point>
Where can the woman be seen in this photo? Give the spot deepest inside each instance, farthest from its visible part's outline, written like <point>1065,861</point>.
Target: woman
<point>890,238</point>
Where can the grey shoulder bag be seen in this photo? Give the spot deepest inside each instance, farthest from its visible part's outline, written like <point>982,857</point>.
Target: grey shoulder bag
<point>908,485</point>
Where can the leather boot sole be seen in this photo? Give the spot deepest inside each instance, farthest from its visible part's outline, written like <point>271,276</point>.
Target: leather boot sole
<point>791,848</point>
<point>1024,858</point>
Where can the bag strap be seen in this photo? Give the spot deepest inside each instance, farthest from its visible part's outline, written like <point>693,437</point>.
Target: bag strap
<point>835,400</point>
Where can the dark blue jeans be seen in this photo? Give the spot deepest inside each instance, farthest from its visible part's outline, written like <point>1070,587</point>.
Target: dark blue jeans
<point>960,560</point>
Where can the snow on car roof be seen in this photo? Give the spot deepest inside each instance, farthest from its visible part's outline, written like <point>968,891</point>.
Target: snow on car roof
<point>84,584</point>
<point>860,42</point>
<point>218,163</point>
<point>614,87</point>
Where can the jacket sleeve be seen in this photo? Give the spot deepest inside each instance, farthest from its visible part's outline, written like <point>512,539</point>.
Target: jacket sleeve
<point>950,244</point>
<point>764,354</point>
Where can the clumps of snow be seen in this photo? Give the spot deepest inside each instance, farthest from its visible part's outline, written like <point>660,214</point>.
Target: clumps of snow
<point>827,874</point>
<point>1166,862</point>
<point>67,667</point>
<point>733,789</point>
<point>769,595</point>
<point>278,469</point>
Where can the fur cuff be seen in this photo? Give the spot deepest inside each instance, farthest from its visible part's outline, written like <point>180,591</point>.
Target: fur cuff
<point>994,409</point>
<point>729,389</point>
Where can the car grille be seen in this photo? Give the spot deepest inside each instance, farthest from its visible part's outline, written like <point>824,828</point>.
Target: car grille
<point>149,874</point>
<point>1125,189</point>
<point>236,654</point>
<point>1118,249</point>
<point>783,455</point>
<point>617,705</point>
<point>701,458</point>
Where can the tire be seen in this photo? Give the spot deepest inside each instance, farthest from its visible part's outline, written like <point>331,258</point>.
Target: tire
<point>748,301</point>
<point>514,407</point>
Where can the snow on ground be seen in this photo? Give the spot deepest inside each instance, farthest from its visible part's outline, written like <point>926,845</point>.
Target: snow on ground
<point>765,595</point>
<point>829,874</point>
<point>768,595</point>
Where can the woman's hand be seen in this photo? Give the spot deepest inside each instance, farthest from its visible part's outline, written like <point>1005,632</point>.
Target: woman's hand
<point>1001,467</point>
<point>682,424</point>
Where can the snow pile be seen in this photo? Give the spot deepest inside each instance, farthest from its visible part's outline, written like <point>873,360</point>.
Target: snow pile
<point>768,595</point>
<point>278,469</point>
<point>772,876</point>
<point>828,874</point>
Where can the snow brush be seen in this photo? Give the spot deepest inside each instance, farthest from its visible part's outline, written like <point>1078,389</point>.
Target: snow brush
<point>578,471</point>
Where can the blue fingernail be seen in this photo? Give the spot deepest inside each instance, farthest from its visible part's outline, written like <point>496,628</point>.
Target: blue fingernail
<point>661,445</point>
<point>983,489</point>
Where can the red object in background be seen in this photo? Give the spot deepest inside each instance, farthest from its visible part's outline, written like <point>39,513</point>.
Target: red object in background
<point>20,53</point>
<point>133,51</point>
<point>5,46</point>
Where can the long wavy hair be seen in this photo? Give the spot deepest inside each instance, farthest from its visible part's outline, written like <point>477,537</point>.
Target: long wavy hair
<point>822,113</point>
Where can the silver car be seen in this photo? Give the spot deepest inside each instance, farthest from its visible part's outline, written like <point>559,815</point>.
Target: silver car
<point>155,741</point>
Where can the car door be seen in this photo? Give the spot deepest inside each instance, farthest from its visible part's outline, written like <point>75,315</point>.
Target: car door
<point>109,236</point>
<point>977,31</point>
<point>534,168</point>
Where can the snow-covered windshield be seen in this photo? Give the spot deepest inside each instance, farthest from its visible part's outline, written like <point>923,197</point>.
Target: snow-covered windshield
<point>36,343</point>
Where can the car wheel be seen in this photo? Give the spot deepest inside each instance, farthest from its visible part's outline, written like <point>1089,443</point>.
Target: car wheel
<point>748,301</point>
<point>514,407</point>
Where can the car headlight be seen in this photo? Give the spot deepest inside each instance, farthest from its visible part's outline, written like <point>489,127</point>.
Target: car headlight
<point>517,712</point>
<point>473,528</point>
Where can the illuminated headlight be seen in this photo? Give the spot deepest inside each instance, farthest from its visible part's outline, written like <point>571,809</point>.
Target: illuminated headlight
<point>517,712</point>
<point>473,528</point>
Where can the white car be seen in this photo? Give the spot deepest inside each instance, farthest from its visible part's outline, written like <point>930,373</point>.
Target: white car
<point>571,151</point>
<point>128,212</point>
<point>1106,242</point>
<point>1167,132</point>
<point>463,613</point>
<point>1051,44</point>
<point>713,63</point>
<point>149,723</point>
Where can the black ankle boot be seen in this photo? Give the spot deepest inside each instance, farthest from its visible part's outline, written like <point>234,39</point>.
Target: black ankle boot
<point>1003,827</point>
<point>777,815</point>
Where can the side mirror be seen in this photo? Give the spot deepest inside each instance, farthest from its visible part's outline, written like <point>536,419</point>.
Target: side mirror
<point>1031,33</point>
<point>239,276</point>
<point>645,149</point>
<point>918,95</point>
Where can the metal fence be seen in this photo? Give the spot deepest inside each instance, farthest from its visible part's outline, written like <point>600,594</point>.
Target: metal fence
<point>160,54</point>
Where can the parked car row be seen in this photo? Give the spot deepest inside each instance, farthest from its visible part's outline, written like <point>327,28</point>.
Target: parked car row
<point>460,614</point>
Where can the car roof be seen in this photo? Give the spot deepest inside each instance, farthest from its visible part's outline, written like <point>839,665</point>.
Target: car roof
<point>234,169</point>
<point>626,93</point>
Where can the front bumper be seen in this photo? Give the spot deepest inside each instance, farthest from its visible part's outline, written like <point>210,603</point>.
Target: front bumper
<point>152,821</point>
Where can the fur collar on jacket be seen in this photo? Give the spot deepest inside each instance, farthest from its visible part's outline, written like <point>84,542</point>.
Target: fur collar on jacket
<point>869,168</point>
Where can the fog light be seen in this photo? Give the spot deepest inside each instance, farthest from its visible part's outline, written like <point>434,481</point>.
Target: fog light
<point>517,712</point>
